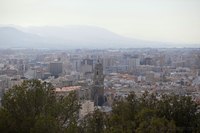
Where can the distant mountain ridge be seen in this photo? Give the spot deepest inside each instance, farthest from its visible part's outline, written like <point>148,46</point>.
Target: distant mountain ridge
<point>12,37</point>
<point>68,37</point>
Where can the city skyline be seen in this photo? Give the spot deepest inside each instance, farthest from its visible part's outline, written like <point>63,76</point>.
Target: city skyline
<point>91,66</point>
<point>166,21</point>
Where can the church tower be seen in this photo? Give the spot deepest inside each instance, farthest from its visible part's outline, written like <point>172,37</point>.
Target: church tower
<point>98,85</point>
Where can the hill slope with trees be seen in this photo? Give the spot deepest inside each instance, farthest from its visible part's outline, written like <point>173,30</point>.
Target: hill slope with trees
<point>34,107</point>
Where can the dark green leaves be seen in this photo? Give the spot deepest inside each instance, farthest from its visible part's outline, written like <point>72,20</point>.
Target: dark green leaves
<point>34,107</point>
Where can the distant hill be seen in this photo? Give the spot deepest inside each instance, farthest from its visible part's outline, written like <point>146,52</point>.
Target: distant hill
<point>13,38</point>
<point>68,37</point>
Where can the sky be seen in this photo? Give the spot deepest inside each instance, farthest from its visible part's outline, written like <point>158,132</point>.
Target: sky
<point>157,20</point>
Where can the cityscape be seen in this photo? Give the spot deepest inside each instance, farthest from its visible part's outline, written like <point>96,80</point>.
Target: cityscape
<point>111,66</point>
<point>111,73</point>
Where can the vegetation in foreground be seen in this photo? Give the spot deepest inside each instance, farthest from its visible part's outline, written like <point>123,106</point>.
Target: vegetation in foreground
<point>34,107</point>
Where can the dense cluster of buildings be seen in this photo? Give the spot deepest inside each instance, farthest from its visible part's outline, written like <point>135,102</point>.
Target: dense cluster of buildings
<point>101,76</point>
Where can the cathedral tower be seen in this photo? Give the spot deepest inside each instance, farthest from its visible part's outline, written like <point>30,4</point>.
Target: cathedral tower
<point>98,85</point>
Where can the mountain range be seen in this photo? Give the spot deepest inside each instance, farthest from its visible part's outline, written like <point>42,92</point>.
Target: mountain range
<point>68,37</point>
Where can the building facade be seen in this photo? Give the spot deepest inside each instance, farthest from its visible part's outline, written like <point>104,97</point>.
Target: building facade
<point>98,85</point>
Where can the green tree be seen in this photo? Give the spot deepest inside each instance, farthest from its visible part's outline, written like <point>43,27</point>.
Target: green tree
<point>148,113</point>
<point>156,125</point>
<point>46,124</point>
<point>34,106</point>
<point>181,109</point>
<point>123,115</point>
<point>94,122</point>
<point>148,101</point>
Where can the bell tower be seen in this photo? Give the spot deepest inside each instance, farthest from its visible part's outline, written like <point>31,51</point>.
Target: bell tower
<point>98,85</point>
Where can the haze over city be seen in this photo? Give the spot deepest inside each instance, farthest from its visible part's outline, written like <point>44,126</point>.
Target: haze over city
<point>99,66</point>
<point>114,23</point>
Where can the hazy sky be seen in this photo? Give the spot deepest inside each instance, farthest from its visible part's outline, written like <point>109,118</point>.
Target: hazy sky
<point>160,20</point>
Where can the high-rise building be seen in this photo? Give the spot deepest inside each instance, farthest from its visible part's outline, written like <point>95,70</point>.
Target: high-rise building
<point>148,61</point>
<point>98,85</point>
<point>133,63</point>
<point>86,66</point>
<point>55,68</point>
<point>76,64</point>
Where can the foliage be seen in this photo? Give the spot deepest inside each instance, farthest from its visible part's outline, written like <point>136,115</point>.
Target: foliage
<point>34,107</point>
<point>94,122</point>
<point>149,113</point>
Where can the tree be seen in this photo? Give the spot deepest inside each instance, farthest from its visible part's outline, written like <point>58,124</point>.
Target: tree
<point>148,101</point>
<point>169,113</point>
<point>123,115</point>
<point>34,106</point>
<point>94,122</point>
<point>181,109</point>
<point>156,125</point>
